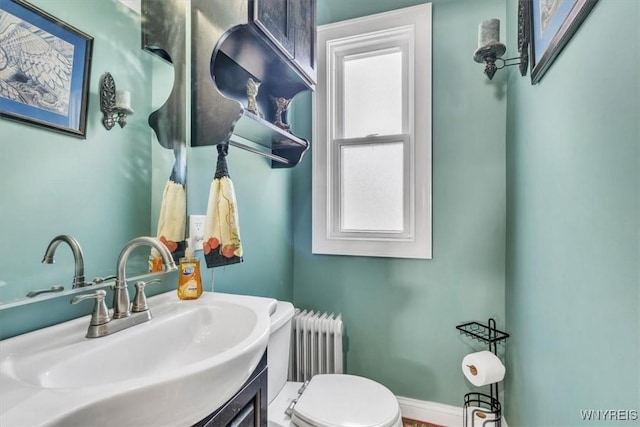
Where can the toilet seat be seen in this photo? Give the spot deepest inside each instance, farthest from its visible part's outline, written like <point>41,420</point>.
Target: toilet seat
<point>337,400</point>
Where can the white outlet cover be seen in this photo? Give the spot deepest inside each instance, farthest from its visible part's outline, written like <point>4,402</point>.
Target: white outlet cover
<point>196,231</point>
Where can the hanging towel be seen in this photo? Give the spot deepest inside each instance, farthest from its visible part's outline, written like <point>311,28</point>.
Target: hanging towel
<point>222,245</point>
<point>173,215</point>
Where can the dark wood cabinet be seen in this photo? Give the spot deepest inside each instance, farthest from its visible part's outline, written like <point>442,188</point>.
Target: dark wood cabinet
<point>305,37</point>
<point>291,26</point>
<point>248,408</point>
<point>276,20</point>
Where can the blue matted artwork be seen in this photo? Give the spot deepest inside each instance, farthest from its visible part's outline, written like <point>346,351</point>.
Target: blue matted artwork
<point>553,23</point>
<point>44,69</point>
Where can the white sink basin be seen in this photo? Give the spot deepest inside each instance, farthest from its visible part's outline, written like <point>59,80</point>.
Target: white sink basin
<point>173,370</point>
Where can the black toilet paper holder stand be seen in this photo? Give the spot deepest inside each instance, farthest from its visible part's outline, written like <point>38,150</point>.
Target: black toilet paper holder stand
<point>486,407</point>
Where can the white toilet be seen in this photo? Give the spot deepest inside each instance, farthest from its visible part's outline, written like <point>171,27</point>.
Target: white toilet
<point>329,400</point>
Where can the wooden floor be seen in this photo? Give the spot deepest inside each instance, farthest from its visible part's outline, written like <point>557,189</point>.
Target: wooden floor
<point>408,422</point>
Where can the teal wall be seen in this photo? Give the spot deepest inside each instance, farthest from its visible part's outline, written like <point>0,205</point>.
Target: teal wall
<point>96,189</point>
<point>106,189</point>
<point>54,184</point>
<point>542,232</point>
<point>400,314</point>
<point>573,229</point>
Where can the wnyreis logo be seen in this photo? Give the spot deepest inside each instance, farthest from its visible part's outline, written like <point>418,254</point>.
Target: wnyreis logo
<point>609,415</point>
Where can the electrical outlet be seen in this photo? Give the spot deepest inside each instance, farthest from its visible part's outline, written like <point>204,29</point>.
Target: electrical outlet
<point>196,231</point>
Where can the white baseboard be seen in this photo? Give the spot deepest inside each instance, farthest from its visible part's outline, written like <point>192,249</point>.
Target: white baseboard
<point>433,412</point>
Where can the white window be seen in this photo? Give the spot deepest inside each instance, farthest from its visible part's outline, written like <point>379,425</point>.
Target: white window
<point>372,136</point>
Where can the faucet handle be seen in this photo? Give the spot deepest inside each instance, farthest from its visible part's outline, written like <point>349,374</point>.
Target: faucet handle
<point>140,299</point>
<point>100,280</point>
<point>100,314</point>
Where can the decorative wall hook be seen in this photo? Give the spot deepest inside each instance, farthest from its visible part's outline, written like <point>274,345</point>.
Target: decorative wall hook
<point>114,104</point>
<point>490,50</point>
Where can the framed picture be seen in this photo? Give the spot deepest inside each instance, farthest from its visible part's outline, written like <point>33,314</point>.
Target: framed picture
<point>553,23</point>
<point>44,69</point>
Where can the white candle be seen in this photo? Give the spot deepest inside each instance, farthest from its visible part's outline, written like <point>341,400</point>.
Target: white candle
<point>488,32</point>
<point>123,99</point>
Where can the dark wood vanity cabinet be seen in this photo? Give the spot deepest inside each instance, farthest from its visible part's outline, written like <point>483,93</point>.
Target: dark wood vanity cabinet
<point>291,27</point>
<point>248,408</point>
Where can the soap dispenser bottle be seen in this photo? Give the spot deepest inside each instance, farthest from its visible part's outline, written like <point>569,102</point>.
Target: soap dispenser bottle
<point>189,278</point>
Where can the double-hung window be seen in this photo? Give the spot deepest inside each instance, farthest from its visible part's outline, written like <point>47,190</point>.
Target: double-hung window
<point>372,136</point>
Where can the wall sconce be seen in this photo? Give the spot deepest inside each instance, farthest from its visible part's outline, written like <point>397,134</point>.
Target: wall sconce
<point>491,50</point>
<point>114,104</point>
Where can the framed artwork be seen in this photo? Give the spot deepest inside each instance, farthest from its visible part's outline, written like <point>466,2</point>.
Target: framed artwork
<point>44,69</point>
<point>553,23</point>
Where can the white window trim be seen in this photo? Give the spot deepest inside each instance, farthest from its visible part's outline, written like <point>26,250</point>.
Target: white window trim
<point>416,241</point>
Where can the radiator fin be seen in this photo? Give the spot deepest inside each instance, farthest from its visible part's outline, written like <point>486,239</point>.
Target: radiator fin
<point>316,345</point>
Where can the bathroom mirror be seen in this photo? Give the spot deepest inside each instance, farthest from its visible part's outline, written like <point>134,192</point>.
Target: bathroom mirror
<point>103,190</point>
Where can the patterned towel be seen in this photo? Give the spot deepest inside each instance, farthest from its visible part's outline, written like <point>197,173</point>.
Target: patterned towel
<point>171,224</point>
<point>173,214</point>
<point>222,245</point>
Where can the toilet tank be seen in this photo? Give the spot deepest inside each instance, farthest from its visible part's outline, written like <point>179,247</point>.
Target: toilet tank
<point>278,348</point>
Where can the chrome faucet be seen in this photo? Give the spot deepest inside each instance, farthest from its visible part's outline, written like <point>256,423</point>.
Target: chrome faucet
<point>124,314</point>
<point>78,258</point>
<point>121,300</point>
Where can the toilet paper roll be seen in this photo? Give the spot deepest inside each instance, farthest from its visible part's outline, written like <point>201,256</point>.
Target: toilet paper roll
<point>481,415</point>
<point>483,368</point>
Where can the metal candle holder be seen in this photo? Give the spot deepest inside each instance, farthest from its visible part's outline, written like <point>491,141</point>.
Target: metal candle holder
<point>490,50</point>
<point>114,104</point>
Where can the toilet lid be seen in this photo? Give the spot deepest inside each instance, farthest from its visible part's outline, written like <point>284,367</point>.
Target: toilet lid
<point>345,400</point>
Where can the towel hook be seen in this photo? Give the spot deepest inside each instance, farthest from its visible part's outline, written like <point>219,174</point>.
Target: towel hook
<point>223,148</point>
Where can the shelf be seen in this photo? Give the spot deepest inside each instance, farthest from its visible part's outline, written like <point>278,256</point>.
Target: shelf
<point>231,119</point>
<point>482,332</point>
<point>282,144</point>
<point>227,49</point>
